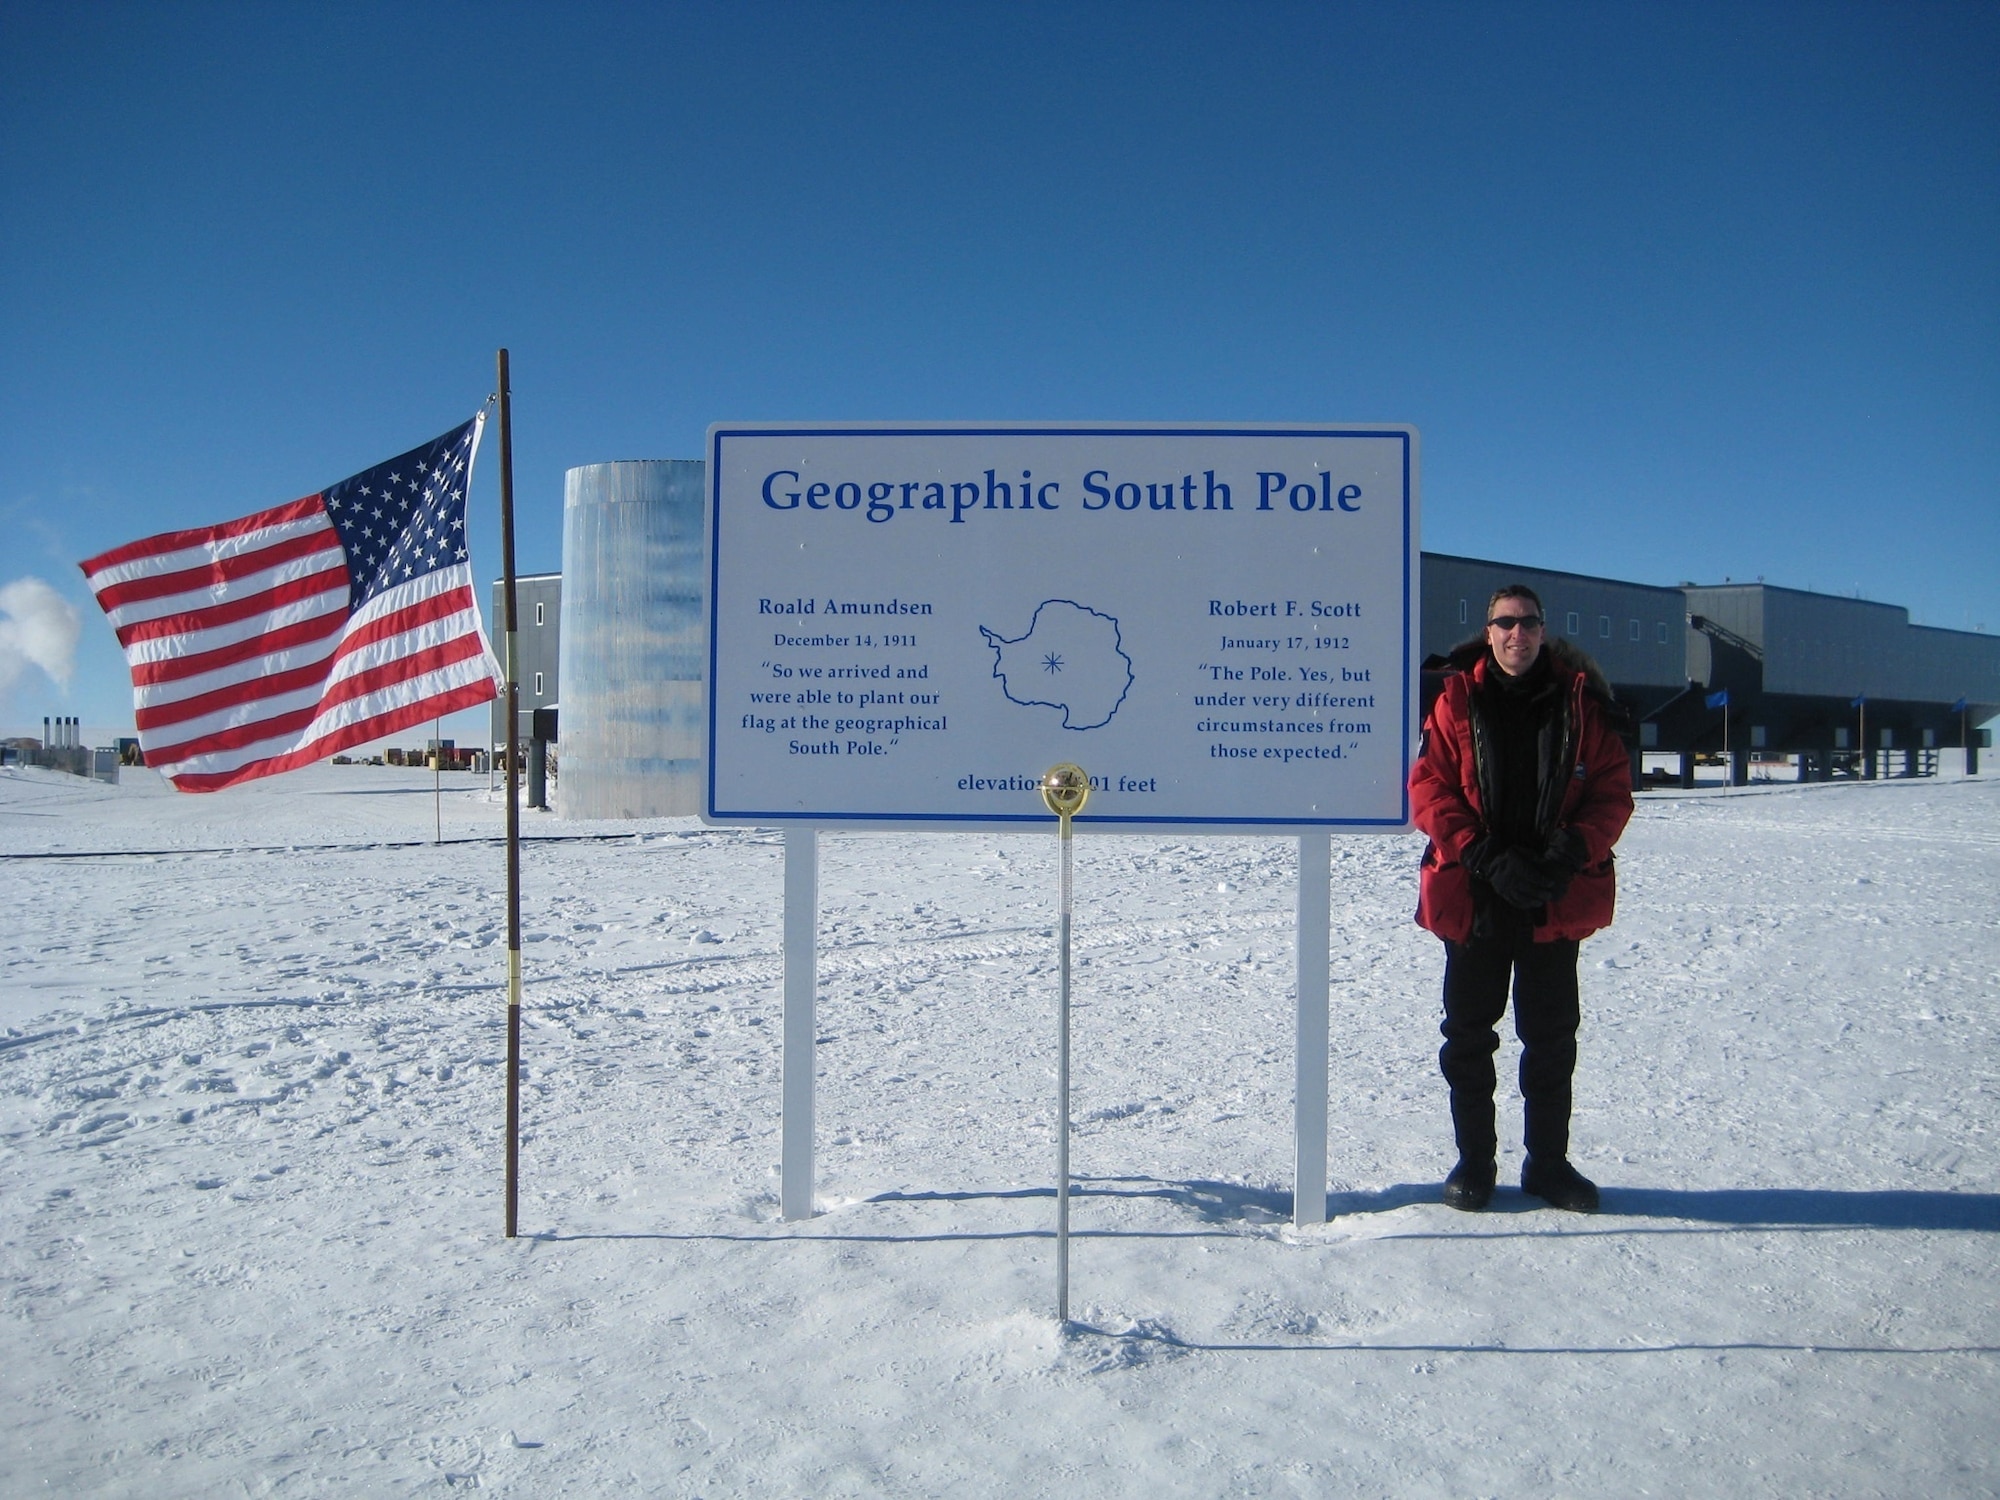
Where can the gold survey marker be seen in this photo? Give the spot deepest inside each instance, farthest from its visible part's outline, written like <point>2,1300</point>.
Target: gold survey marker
<point>1065,788</point>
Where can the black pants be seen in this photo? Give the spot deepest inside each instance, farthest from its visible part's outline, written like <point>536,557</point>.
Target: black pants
<point>1546,1017</point>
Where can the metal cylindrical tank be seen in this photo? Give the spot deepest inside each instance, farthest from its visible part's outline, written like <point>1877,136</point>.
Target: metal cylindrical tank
<point>634,646</point>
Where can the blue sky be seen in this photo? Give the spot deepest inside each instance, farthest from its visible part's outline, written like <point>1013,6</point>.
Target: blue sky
<point>1672,291</point>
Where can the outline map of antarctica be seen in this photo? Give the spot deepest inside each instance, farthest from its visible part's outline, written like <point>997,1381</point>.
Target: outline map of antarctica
<point>1070,657</point>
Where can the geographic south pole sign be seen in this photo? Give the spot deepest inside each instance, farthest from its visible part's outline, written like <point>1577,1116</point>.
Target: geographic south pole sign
<point>908,624</point>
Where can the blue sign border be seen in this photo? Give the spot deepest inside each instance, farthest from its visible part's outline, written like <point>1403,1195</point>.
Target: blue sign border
<point>917,821</point>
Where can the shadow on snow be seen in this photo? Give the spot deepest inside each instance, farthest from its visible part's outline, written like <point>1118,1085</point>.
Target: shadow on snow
<point>1744,1208</point>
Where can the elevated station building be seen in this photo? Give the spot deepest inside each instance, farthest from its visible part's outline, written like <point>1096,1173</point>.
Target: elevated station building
<point>1804,674</point>
<point>1636,632</point>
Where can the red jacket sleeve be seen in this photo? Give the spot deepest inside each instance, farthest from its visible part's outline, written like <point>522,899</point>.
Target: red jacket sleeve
<point>1442,784</point>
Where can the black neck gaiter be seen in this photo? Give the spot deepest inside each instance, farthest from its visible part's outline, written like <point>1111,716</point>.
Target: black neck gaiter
<point>1517,708</point>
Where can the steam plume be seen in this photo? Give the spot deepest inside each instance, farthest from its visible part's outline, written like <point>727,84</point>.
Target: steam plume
<point>38,628</point>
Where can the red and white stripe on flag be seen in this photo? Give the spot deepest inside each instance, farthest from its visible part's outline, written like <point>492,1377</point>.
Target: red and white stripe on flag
<point>248,659</point>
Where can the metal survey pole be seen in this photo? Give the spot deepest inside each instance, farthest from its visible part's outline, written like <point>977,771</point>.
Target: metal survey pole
<point>1065,789</point>
<point>513,807</point>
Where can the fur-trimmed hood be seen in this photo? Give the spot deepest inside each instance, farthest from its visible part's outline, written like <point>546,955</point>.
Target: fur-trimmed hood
<point>1570,660</point>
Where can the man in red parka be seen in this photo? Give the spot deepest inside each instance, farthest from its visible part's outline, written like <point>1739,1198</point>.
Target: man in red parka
<point>1523,786</point>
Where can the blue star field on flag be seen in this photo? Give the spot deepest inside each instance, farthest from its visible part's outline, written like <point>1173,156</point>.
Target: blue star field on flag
<point>404,518</point>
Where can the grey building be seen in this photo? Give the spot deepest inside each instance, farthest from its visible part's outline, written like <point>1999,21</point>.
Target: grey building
<point>539,598</point>
<point>1636,632</point>
<point>1805,671</point>
<point>1820,644</point>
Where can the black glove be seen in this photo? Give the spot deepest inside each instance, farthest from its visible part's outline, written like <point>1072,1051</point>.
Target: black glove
<point>1479,855</point>
<point>1566,851</point>
<point>1520,880</point>
<point>1563,856</point>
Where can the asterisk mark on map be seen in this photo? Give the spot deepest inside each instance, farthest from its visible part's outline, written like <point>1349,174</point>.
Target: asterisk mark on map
<point>1052,662</point>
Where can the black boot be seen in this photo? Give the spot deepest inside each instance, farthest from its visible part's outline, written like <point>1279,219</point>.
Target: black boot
<point>1470,1185</point>
<point>1559,1185</point>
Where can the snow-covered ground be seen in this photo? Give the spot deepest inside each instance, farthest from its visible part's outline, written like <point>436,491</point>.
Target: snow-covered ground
<point>250,1160</point>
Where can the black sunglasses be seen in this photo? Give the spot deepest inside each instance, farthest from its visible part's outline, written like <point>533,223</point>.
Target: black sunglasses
<point>1510,622</point>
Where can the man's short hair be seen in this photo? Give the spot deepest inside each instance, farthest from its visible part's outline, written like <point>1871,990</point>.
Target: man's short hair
<point>1514,591</point>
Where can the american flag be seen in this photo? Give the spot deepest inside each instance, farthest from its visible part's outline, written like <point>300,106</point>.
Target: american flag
<point>270,642</point>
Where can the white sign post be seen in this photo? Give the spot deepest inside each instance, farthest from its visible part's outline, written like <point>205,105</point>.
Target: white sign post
<point>1310,1030</point>
<point>800,1022</point>
<point>908,624</point>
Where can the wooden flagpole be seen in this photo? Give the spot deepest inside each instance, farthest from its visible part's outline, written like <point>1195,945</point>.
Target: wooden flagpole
<point>513,807</point>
